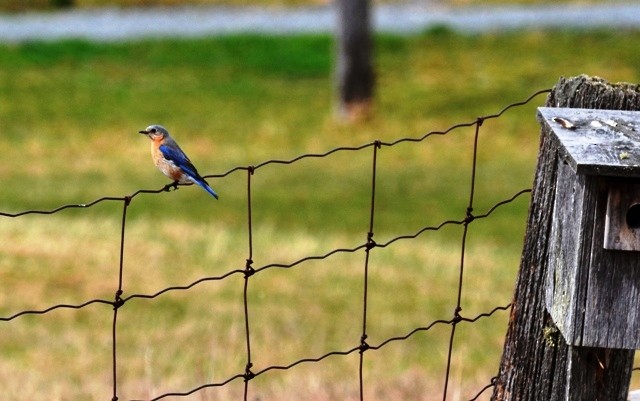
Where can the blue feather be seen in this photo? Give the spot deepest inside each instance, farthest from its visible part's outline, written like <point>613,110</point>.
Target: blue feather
<point>206,187</point>
<point>172,152</point>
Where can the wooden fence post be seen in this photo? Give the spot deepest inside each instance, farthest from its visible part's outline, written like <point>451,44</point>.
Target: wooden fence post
<point>541,361</point>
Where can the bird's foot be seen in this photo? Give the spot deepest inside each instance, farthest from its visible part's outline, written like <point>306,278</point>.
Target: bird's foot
<point>171,187</point>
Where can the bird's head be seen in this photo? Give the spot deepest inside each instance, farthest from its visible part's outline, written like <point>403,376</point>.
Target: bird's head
<point>155,132</point>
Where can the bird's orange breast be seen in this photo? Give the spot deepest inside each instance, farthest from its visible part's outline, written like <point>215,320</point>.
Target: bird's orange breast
<point>167,167</point>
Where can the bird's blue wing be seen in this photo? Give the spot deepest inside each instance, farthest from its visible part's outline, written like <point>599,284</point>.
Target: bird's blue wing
<point>177,156</point>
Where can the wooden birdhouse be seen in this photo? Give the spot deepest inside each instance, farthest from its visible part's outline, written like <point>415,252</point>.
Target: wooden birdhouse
<point>593,282</point>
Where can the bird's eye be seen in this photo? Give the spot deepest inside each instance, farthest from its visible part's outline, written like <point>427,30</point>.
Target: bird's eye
<point>153,130</point>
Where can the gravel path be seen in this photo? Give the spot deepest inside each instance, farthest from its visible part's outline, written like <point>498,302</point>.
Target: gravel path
<point>112,24</point>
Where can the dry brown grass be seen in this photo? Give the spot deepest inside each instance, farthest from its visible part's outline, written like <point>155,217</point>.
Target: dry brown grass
<point>181,340</point>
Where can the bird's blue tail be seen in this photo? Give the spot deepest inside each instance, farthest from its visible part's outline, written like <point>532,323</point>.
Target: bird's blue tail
<point>206,187</point>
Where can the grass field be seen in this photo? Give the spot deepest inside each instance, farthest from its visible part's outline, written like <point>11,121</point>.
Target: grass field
<point>70,113</point>
<point>22,5</point>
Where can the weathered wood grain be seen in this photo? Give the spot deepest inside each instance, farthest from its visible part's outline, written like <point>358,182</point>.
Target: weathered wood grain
<point>622,223</point>
<point>537,364</point>
<point>592,285</point>
<point>596,142</point>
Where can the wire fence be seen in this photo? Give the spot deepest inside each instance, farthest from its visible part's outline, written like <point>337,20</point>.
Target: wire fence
<point>360,348</point>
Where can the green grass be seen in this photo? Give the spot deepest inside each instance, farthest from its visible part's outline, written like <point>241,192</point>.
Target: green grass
<point>22,5</point>
<point>70,113</point>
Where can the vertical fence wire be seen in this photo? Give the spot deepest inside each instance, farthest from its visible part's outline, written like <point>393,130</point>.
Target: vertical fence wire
<point>370,244</point>
<point>118,302</point>
<point>249,270</point>
<point>457,317</point>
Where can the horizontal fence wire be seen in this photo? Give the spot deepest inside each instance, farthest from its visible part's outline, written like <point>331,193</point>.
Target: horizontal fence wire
<point>249,271</point>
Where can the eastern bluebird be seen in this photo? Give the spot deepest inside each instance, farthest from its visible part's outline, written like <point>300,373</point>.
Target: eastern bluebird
<point>171,160</point>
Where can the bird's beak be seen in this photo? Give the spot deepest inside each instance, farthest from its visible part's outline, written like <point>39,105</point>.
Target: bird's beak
<point>143,132</point>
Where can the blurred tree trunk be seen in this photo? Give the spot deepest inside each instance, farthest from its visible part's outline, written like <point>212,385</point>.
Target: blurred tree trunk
<point>354,69</point>
<point>62,3</point>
